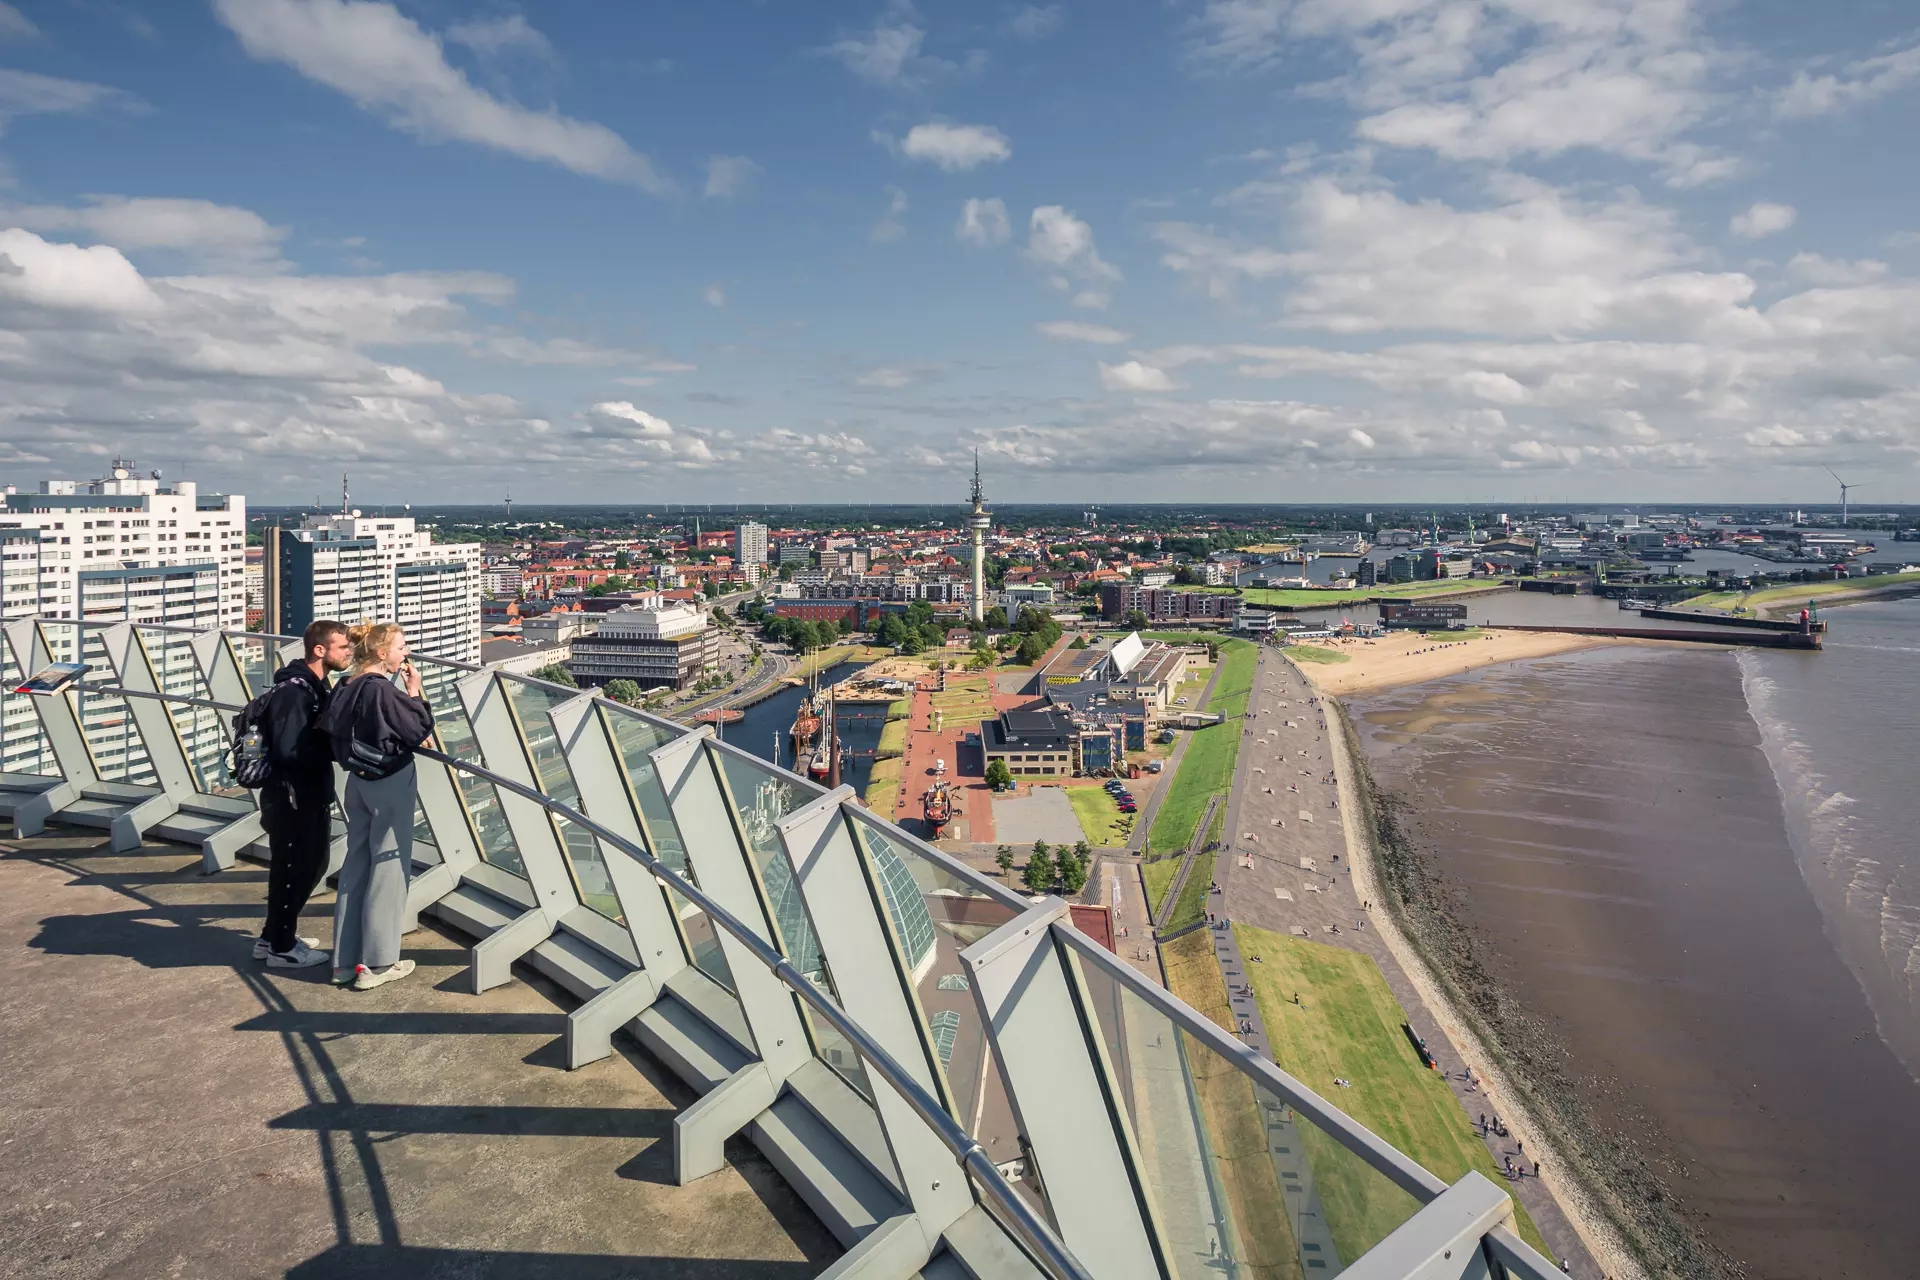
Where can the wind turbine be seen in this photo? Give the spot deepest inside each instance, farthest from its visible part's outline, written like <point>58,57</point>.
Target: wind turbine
<point>1844,488</point>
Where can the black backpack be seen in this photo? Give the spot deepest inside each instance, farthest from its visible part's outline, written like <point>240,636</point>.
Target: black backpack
<point>361,759</point>
<point>248,759</point>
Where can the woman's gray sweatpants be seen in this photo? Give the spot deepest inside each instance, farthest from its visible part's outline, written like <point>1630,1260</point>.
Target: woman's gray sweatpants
<point>371,906</point>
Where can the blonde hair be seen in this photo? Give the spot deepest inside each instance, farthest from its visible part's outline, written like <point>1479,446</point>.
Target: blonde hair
<point>371,640</point>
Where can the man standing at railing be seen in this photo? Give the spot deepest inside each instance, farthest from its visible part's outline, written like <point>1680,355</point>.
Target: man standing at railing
<point>296,805</point>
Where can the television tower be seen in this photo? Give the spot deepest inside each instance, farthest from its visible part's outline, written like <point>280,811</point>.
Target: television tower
<point>977,525</point>
<point>509,502</point>
<point>343,495</point>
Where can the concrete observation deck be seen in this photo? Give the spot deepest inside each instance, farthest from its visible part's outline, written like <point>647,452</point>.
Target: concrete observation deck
<point>173,1108</point>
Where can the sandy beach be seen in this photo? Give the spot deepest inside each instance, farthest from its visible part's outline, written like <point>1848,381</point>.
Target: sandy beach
<point>1408,657</point>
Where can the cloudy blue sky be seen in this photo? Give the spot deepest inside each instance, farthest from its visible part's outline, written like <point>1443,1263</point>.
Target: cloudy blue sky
<point>1274,250</point>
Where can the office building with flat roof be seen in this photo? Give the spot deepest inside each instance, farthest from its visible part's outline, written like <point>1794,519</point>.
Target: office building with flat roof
<point>664,648</point>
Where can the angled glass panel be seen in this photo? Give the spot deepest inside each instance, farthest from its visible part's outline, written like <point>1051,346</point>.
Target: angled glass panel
<point>119,754</point>
<point>635,738</point>
<point>439,685</point>
<point>1236,1171</point>
<point>533,704</point>
<point>761,796</point>
<point>202,736</point>
<point>258,658</point>
<point>935,913</point>
<point>24,751</point>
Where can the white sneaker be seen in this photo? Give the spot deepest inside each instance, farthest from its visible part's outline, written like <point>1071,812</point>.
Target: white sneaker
<point>261,950</point>
<point>367,979</point>
<point>301,957</point>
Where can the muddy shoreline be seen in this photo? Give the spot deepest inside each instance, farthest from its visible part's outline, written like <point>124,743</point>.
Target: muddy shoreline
<point>1620,1166</point>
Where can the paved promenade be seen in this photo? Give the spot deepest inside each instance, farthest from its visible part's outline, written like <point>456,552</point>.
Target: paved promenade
<point>1287,869</point>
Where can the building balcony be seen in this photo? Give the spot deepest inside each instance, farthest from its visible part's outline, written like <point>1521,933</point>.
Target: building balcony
<point>678,1012</point>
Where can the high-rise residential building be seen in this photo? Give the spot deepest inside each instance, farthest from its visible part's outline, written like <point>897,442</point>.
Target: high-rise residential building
<point>750,543</point>
<point>99,544</point>
<point>125,547</point>
<point>384,568</point>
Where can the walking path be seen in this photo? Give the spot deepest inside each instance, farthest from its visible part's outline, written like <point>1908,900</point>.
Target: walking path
<point>1288,867</point>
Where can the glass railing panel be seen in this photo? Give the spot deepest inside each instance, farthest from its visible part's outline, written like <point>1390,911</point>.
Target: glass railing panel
<point>23,747</point>
<point>203,737</point>
<point>635,739</point>
<point>119,753</point>
<point>439,686</point>
<point>935,913</point>
<point>761,796</point>
<point>533,705</point>
<point>1237,1173</point>
<point>258,658</point>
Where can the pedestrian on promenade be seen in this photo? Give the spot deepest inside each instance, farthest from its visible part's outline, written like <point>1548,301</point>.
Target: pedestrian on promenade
<point>296,804</point>
<point>375,729</point>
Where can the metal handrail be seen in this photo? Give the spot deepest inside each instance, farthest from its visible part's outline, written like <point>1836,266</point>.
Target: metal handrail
<point>1008,1207</point>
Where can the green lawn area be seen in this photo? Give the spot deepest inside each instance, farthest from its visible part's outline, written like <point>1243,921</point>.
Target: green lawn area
<point>893,739</point>
<point>1348,1026</point>
<point>1315,653</point>
<point>820,659</point>
<point>900,709</point>
<point>883,785</point>
<point>1159,878</point>
<point>1099,815</point>
<point>1733,601</point>
<point>1192,903</point>
<point>1207,766</point>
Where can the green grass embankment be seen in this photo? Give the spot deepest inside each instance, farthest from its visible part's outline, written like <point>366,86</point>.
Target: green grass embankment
<point>1207,766</point>
<point>1158,876</point>
<point>1795,592</point>
<point>821,659</point>
<point>1347,1026</point>
<point>883,787</point>
<point>893,740</point>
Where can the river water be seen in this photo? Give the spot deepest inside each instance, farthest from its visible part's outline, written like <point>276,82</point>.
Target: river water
<point>767,722</point>
<point>1700,868</point>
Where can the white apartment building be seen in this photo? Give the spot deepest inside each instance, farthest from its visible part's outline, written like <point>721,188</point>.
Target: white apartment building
<point>92,535</point>
<point>352,567</point>
<point>121,548</point>
<point>500,580</point>
<point>750,543</point>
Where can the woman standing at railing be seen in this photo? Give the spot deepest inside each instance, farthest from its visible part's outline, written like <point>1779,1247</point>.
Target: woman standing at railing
<point>375,729</point>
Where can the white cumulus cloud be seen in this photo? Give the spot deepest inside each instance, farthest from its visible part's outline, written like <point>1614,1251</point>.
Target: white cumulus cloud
<point>1058,240</point>
<point>957,147</point>
<point>1131,375</point>
<point>1762,219</point>
<point>984,222</point>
